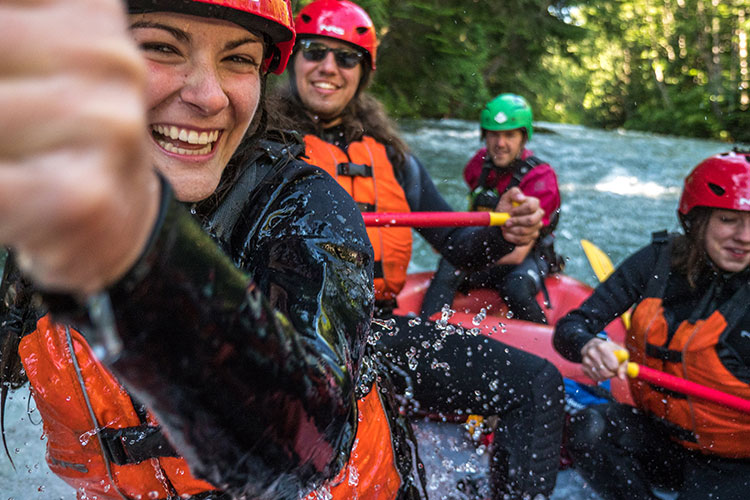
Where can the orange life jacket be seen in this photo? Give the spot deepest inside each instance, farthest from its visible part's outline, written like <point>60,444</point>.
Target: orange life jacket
<point>93,456</point>
<point>92,462</point>
<point>371,472</point>
<point>366,173</point>
<point>690,353</point>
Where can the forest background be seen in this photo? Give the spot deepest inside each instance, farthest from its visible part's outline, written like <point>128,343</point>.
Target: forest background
<point>676,67</point>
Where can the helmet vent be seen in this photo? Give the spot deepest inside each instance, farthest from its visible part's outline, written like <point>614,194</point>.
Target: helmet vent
<point>362,30</point>
<point>306,18</point>
<point>718,190</point>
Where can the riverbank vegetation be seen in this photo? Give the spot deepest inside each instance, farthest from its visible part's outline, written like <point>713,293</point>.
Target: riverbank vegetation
<point>668,66</point>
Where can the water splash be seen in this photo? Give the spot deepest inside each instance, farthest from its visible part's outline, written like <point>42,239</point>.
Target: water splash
<point>374,336</point>
<point>353,476</point>
<point>411,358</point>
<point>481,316</point>
<point>387,324</point>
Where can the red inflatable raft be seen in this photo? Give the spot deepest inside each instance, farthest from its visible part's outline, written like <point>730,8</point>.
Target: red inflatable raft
<point>565,294</point>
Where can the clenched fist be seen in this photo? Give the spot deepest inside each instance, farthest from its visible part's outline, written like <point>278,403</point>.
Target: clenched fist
<point>77,195</point>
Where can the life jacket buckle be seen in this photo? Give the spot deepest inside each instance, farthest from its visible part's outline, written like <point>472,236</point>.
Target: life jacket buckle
<point>351,169</point>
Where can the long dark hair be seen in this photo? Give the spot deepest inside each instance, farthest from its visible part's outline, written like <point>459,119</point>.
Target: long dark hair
<point>689,250</point>
<point>18,315</point>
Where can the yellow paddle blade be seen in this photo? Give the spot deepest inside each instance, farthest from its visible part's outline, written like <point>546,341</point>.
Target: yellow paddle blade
<point>626,319</point>
<point>602,266</point>
<point>599,260</point>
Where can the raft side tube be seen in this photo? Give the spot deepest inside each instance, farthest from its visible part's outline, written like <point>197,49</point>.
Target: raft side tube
<point>565,294</point>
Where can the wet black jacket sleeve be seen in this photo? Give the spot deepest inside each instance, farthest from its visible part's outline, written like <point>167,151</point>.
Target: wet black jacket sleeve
<point>468,248</point>
<point>249,355</point>
<point>624,288</point>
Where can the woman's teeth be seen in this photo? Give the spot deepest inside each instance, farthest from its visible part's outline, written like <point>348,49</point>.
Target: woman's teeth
<point>186,136</point>
<point>181,151</point>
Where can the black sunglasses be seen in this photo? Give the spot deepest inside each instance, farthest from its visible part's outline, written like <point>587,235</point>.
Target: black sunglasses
<point>317,51</point>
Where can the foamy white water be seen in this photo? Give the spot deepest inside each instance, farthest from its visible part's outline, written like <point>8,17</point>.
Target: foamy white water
<point>632,186</point>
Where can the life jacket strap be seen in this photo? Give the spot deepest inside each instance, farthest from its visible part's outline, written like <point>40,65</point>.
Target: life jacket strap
<point>132,445</point>
<point>351,169</point>
<point>365,207</point>
<point>663,353</point>
<point>377,269</point>
<point>207,495</point>
<point>667,392</point>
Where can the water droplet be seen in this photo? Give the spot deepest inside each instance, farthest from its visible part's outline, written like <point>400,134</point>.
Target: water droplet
<point>374,336</point>
<point>412,363</point>
<point>353,476</point>
<point>481,315</point>
<point>388,324</point>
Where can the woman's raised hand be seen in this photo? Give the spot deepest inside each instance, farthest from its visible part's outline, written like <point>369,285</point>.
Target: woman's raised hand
<point>77,195</point>
<point>599,360</point>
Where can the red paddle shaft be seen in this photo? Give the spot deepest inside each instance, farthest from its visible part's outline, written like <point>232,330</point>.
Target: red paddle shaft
<point>683,386</point>
<point>434,219</point>
<point>692,389</point>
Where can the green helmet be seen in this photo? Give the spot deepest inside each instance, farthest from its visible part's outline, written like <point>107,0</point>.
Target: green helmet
<point>507,112</point>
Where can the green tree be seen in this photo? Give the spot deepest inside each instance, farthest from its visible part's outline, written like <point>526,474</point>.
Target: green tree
<point>667,66</point>
<point>441,58</point>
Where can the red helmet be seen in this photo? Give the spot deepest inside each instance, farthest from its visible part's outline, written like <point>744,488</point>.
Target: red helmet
<point>721,181</point>
<point>271,18</point>
<point>341,20</point>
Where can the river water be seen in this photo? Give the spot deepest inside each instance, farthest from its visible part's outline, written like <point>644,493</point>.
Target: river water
<point>617,187</point>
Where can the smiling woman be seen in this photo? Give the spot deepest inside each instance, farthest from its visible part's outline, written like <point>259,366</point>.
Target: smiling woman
<point>203,82</point>
<point>181,356</point>
<point>728,240</point>
<point>690,292</point>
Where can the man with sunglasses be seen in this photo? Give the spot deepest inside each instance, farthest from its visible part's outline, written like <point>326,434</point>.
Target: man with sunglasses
<point>347,133</point>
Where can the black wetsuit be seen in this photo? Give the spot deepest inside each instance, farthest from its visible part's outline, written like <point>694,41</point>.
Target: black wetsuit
<point>621,451</point>
<point>252,352</point>
<point>463,374</point>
